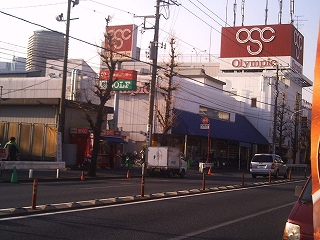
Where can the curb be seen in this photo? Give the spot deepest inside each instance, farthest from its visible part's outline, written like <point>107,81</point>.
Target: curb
<point>23,211</point>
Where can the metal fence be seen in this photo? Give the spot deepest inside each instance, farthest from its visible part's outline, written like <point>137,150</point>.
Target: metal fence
<point>37,142</point>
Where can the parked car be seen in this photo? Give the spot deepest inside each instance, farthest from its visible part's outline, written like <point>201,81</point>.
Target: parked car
<point>300,221</point>
<point>264,164</point>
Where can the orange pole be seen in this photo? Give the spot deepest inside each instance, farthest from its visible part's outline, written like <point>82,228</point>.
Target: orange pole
<point>269,176</point>
<point>142,181</point>
<point>242,179</point>
<point>203,181</point>
<point>34,194</point>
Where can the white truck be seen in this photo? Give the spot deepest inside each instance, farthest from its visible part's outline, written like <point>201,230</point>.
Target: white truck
<point>165,160</point>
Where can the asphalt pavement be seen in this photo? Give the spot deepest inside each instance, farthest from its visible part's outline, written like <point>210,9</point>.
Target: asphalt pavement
<point>74,174</point>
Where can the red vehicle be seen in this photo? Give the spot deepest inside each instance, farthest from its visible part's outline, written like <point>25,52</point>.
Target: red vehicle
<point>300,221</point>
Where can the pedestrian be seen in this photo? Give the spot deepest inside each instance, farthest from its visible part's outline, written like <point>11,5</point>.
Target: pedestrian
<point>143,154</point>
<point>111,157</point>
<point>13,149</point>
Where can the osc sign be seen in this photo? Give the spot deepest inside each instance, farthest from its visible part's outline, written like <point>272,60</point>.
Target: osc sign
<point>122,42</point>
<point>262,41</point>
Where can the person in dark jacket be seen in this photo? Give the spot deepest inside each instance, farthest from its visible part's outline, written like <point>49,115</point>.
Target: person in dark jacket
<point>13,149</point>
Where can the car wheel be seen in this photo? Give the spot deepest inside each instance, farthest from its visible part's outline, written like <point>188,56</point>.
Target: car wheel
<point>254,176</point>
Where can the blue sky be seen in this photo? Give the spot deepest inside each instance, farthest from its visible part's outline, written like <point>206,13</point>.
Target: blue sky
<point>196,24</point>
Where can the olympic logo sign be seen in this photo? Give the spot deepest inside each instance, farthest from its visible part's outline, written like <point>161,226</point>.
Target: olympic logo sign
<point>120,36</point>
<point>298,43</point>
<point>255,41</point>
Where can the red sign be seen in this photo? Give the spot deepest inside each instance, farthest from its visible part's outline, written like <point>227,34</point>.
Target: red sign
<point>79,130</point>
<point>205,120</point>
<point>262,41</point>
<point>119,74</point>
<point>3,153</point>
<point>109,132</point>
<point>124,40</point>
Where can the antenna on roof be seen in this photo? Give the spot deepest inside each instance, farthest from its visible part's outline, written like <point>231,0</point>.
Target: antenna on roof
<point>266,11</point>
<point>242,11</point>
<point>226,14</point>
<point>234,12</point>
<point>291,11</point>
<point>280,11</point>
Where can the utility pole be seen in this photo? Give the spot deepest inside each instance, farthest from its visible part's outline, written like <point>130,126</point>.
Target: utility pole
<point>296,129</point>
<point>62,107</point>
<point>154,57</point>
<point>276,93</point>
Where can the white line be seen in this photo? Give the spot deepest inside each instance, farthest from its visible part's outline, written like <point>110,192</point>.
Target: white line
<point>117,186</point>
<point>229,222</point>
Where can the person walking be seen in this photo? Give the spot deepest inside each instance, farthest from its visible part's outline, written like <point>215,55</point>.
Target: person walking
<point>111,157</point>
<point>13,149</point>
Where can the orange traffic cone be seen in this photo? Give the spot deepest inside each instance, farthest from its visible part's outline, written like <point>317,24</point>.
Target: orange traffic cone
<point>82,178</point>
<point>209,171</point>
<point>128,174</point>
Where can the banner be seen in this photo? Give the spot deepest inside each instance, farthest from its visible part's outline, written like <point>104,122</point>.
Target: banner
<point>315,145</point>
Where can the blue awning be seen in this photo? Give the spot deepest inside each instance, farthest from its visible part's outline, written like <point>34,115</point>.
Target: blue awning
<point>113,139</point>
<point>241,130</point>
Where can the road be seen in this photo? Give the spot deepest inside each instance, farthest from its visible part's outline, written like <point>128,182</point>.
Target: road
<point>20,194</point>
<point>255,212</point>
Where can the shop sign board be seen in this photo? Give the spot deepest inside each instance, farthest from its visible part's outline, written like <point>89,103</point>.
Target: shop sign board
<point>263,41</point>
<point>121,85</point>
<point>122,74</point>
<point>126,79</point>
<point>205,123</point>
<point>124,42</point>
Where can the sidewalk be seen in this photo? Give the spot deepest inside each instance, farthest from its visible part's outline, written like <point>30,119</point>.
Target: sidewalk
<point>69,174</point>
<point>73,174</point>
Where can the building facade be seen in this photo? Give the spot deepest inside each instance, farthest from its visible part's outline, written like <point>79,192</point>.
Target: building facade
<point>42,46</point>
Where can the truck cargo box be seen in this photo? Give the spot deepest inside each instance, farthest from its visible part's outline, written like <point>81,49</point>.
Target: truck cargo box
<point>163,157</point>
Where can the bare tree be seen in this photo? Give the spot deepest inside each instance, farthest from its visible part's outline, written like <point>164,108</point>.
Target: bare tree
<point>95,114</point>
<point>283,123</point>
<point>165,115</point>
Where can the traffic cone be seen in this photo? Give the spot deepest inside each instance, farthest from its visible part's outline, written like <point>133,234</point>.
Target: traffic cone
<point>14,177</point>
<point>82,178</point>
<point>128,174</point>
<point>209,171</point>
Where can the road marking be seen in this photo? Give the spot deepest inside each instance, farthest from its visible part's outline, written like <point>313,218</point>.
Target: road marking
<point>151,200</point>
<point>191,234</point>
<point>112,186</point>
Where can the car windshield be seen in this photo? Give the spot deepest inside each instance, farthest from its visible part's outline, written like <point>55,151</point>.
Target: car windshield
<point>262,158</point>
<point>306,194</point>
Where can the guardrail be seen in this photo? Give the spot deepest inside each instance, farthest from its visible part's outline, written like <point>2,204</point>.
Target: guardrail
<point>33,165</point>
<point>294,165</point>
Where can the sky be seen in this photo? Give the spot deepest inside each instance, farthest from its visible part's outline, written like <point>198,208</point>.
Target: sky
<point>195,24</point>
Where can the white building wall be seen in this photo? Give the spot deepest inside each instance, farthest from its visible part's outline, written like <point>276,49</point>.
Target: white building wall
<point>43,87</point>
<point>261,86</point>
<point>192,95</point>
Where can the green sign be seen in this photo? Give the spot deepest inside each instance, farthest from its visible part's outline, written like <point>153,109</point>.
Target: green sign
<point>121,85</point>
